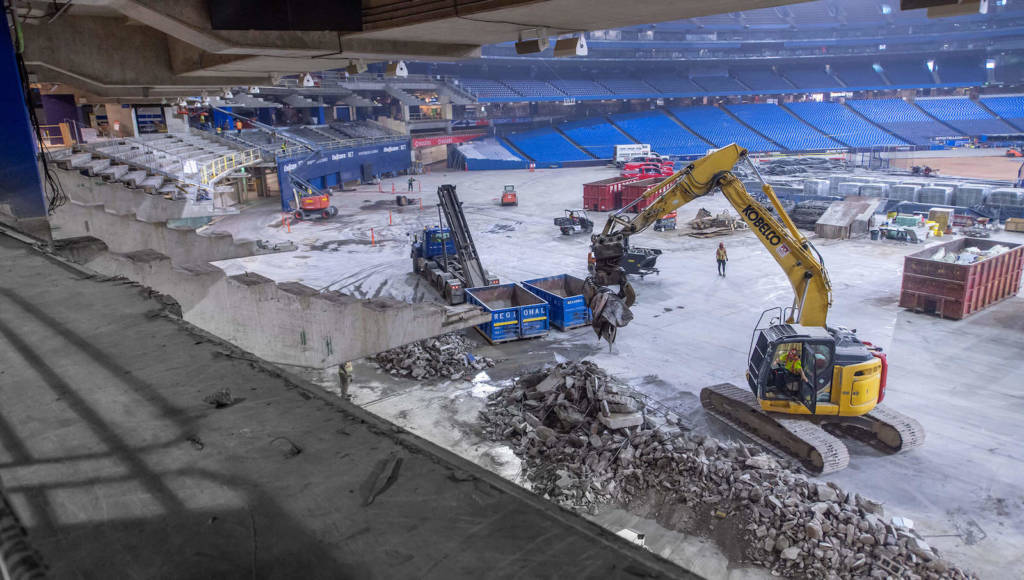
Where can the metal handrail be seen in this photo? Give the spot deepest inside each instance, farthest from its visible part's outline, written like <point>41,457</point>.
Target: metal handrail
<point>212,171</point>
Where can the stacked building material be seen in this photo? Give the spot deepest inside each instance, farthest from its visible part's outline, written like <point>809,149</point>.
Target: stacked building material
<point>1006,196</point>
<point>586,440</point>
<point>816,187</point>
<point>806,213</point>
<point>447,356</point>
<point>848,188</point>
<point>905,192</point>
<point>874,190</point>
<point>971,195</point>
<point>936,194</point>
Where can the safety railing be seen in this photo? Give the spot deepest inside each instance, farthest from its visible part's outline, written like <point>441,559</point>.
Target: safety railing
<point>213,170</point>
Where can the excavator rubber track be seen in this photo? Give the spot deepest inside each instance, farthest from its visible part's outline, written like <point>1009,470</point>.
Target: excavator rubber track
<point>882,428</point>
<point>816,450</point>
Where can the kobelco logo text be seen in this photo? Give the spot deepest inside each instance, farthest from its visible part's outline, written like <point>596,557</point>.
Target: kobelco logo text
<point>758,223</point>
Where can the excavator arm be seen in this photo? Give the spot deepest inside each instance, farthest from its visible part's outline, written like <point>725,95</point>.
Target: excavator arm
<point>797,257</point>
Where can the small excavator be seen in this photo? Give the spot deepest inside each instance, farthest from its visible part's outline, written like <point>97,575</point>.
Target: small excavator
<point>808,381</point>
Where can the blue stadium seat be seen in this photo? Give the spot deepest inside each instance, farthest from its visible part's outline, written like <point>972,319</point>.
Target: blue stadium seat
<point>534,88</point>
<point>762,79</point>
<point>634,87</point>
<point>719,128</point>
<point>675,86</point>
<point>664,135</point>
<point>486,88</point>
<point>900,117</point>
<point>546,146</point>
<point>843,125</point>
<point>780,126</point>
<point>579,88</point>
<point>810,78</point>
<point>858,76</point>
<point>964,115</point>
<point>596,136</point>
<point>1011,109</point>
<point>907,74</point>
<point>718,83</point>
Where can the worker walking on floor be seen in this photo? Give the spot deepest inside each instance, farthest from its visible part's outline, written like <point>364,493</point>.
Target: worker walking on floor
<point>345,378</point>
<point>238,126</point>
<point>722,258</point>
<point>411,180</point>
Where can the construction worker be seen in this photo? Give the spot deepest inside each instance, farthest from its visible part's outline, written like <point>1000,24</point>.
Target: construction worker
<point>345,379</point>
<point>284,147</point>
<point>722,258</point>
<point>238,126</point>
<point>218,129</point>
<point>411,180</point>
<point>794,366</point>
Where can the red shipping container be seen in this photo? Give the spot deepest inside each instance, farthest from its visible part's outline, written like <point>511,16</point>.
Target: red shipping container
<point>958,290</point>
<point>603,195</point>
<point>636,189</point>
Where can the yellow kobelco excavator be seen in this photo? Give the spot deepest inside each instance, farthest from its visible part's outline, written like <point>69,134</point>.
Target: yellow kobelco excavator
<point>808,380</point>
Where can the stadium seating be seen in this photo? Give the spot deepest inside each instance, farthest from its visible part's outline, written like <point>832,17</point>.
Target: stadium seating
<point>486,88</point>
<point>628,87</point>
<point>718,83</point>
<point>900,117</point>
<point>780,126</point>
<point>843,125</point>
<point>762,79</point>
<point>811,78</point>
<point>961,71</point>
<point>596,136</point>
<point>546,146</point>
<point>578,88</point>
<point>907,74</point>
<point>664,135</point>
<point>534,88</point>
<point>858,75</point>
<point>679,86</point>
<point>1011,109</point>
<point>964,115</point>
<point>720,129</point>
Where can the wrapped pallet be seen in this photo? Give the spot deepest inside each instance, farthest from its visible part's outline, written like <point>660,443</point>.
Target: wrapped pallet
<point>936,195</point>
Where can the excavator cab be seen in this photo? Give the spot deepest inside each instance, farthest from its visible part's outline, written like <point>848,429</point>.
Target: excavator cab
<point>810,370</point>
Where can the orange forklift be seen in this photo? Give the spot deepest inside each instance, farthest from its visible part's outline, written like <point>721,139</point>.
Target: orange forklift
<point>509,196</point>
<point>310,202</point>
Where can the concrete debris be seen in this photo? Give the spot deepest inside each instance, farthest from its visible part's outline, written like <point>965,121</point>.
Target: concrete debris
<point>559,427</point>
<point>446,356</point>
<point>968,255</point>
<point>220,399</point>
<point>797,165</point>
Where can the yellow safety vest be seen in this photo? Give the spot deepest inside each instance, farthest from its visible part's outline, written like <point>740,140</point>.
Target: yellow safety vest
<point>720,253</point>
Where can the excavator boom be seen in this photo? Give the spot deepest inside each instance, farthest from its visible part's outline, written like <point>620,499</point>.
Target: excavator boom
<point>794,253</point>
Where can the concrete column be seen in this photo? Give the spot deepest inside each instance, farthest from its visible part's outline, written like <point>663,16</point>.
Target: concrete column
<point>21,188</point>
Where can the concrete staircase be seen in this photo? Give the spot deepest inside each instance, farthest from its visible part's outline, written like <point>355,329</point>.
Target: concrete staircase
<point>402,96</point>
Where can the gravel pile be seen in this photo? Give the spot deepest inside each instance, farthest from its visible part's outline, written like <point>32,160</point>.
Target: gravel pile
<point>587,440</point>
<point>446,356</point>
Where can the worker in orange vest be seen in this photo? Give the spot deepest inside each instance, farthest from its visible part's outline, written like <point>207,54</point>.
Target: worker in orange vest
<point>238,126</point>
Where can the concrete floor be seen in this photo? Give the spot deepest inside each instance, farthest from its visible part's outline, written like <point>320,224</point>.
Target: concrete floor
<point>119,469</point>
<point>692,328</point>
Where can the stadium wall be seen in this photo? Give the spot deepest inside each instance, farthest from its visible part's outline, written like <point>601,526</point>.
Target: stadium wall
<point>337,166</point>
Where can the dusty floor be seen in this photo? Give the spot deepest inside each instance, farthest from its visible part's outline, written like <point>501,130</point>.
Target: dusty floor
<point>692,328</point>
<point>975,167</point>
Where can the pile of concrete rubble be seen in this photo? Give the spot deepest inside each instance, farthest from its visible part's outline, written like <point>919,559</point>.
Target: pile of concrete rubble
<point>587,440</point>
<point>447,356</point>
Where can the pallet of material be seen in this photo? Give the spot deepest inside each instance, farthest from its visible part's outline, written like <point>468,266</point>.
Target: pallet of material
<point>961,277</point>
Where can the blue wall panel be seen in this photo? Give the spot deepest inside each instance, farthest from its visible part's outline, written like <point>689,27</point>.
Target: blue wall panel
<point>20,183</point>
<point>343,164</point>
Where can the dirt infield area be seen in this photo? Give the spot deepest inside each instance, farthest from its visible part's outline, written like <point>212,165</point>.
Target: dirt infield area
<point>976,167</point>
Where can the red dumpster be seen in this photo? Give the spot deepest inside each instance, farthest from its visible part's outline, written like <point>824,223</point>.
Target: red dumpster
<point>956,290</point>
<point>603,195</point>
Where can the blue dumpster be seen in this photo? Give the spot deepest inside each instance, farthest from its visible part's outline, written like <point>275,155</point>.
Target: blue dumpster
<point>564,295</point>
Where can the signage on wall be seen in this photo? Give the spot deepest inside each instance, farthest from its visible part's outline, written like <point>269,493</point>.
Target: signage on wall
<point>444,140</point>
